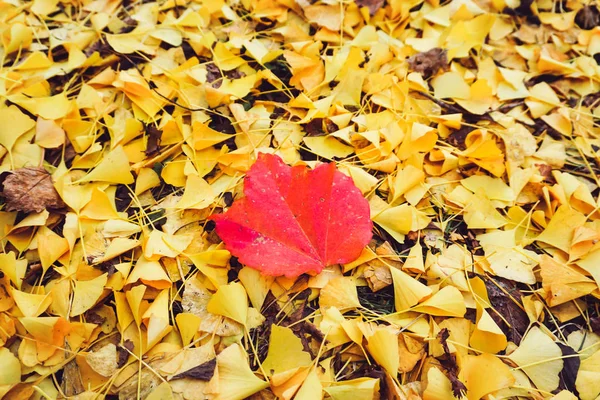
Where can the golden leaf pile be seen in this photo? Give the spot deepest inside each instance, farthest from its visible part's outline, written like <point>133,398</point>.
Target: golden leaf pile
<point>471,127</point>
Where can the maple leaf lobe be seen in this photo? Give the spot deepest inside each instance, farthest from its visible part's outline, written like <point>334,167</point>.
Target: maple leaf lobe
<point>294,220</point>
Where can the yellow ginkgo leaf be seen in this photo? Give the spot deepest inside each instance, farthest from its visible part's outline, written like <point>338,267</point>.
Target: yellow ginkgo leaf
<point>540,358</point>
<point>407,178</point>
<point>487,336</point>
<point>447,302</point>
<point>560,230</point>
<point>157,329</point>
<point>50,247</point>
<point>438,386</point>
<point>399,221</point>
<point>340,293</point>
<point>230,301</point>
<point>563,283</point>
<point>236,379</point>
<point>117,247</point>
<point>407,290</point>
<point>119,227</point>
<point>124,314</point>
<point>46,330</point>
<point>114,168</point>
<point>198,194</point>
<point>480,213</point>
<point>15,124</point>
<point>327,147</point>
<point>54,107</point>
<point>414,260</point>
<point>161,392</point>
<point>187,325</point>
<point>204,137</point>
<point>285,351</point>
<point>32,305</point>
<point>161,244</point>
<point>311,389</point>
<point>100,207</point>
<point>146,179</point>
<point>60,291</point>
<point>150,273</point>
<point>48,134</point>
<point>383,346</point>
<point>135,300</point>
<point>156,318</point>
<point>588,377</point>
<point>87,293</point>
<point>285,384</point>
<point>331,326</point>
<point>484,374</point>
<point>13,268</point>
<point>354,389</point>
<point>10,368</point>
<point>257,285</point>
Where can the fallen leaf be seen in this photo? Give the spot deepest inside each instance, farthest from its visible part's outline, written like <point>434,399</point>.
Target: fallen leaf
<point>236,379</point>
<point>203,371</point>
<point>450,365</point>
<point>429,62</point>
<point>505,299</point>
<point>372,5</point>
<point>104,360</point>
<point>291,218</point>
<point>30,190</point>
<point>540,358</point>
<point>285,351</point>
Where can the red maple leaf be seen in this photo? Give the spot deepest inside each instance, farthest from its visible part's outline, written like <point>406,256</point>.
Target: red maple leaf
<point>294,220</point>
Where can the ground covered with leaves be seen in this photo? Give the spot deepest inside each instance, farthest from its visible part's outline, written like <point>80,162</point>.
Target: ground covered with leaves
<point>469,126</point>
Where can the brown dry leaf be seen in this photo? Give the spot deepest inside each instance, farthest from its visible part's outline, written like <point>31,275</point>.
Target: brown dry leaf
<point>429,62</point>
<point>411,351</point>
<point>378,275</point>
<point>372,5</point>
<point>30,190</point>
<point>72,384</point>
<point>104,360</point>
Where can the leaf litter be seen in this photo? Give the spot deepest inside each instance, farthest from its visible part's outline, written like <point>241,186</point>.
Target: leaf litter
<point>300,200</point>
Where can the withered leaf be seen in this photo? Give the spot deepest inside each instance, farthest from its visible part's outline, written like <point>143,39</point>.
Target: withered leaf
<point>203,372</point>
<point>449,363</point>
<point>372,5</point>
<point>132,388</point>
<point>443,336</point>
<point>570,369</point>
<point>506,300</point>
<point>103,360</point>
<point>315,127</point>
<point>72,384</point>
<point>122,353</point>
<point>94,318</point>
<point>595,324</point>
<point>429,62</point>
<point>588,17</point>
<point>154,135</point>
<point>30,189</point>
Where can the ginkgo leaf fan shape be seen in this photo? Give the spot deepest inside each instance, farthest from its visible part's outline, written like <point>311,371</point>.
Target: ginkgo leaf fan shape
<point>293,220</point>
